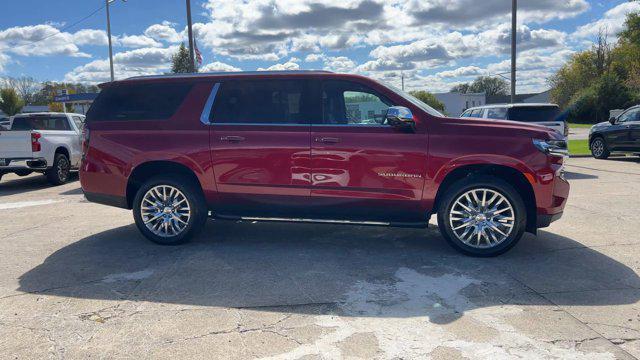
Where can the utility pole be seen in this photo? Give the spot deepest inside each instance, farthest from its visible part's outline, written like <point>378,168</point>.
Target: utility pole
<point>109,36</point>
<point>514,30</point>
<point>190,31</point>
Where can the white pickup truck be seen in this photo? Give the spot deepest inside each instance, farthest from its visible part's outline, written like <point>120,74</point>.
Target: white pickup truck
<point>48,143</point>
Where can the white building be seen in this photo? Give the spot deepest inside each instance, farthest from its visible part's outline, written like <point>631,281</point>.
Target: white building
<point>456,103</point>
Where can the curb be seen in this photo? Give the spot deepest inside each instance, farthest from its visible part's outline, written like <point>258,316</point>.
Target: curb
<point>579,156</point>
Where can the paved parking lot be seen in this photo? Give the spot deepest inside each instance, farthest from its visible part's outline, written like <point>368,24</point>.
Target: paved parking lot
<point>77,280</point>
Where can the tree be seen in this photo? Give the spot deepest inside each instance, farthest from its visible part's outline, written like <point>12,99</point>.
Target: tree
<point>10,102</point>
<point>489,85</point>
<point>429,99</point>
<point>181,61</point>
<point>26,86</point>
<point>486,84</point>
<point>460,88</point>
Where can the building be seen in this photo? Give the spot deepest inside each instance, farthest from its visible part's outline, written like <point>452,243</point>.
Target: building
<point>80,102</point>
<point>456,103</point>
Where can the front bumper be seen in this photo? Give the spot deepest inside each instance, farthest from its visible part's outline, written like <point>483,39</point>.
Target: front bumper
<point>34,164</point>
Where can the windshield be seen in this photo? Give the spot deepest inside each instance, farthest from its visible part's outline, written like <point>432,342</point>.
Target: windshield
<point>412,99</point>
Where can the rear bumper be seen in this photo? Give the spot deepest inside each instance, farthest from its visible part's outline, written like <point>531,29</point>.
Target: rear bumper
<point>104,199</point>
<point>545,220</point>
<point>34,164</point>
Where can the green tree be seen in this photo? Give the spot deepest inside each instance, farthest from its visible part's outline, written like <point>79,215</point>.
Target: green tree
<point>181,62</point>
<point>10,102</point>
<point>429,99</point>
<point>486,84</point>
<point>592,104</point>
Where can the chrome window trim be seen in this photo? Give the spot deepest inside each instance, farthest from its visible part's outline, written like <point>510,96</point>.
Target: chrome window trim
<point>255,124</point>
<point>206,111</point>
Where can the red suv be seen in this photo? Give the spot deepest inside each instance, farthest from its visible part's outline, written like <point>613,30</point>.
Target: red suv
<point>316,147</point>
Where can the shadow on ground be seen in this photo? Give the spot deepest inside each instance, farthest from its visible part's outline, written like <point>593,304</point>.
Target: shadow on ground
<point>359,271</point>
<point>27,184</point>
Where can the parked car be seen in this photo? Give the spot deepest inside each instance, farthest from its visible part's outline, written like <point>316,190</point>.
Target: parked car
<point>298,146</point>
<point>621,134</point>
<point>5,123</point>
<point>548,115</point>
<point>47,143</point>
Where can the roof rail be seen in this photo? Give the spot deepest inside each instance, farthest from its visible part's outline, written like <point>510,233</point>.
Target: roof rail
<point>277,72</point>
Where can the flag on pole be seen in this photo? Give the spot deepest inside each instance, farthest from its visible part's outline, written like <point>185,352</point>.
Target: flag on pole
<point>198,53</point>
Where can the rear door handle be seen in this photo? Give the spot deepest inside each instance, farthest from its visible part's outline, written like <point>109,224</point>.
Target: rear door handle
<point>232,138</point>
<point>328,140</point>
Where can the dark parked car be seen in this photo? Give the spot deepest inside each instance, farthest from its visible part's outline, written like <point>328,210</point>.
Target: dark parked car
<point>620,134</point>
<point>314,147</point>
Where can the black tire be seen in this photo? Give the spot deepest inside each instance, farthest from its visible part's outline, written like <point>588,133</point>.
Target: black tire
<point>599,148</point>
<point>196,203</point>
<point>482,182</point>
<point>59,172</point>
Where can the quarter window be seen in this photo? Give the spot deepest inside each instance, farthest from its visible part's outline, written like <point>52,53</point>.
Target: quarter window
<point>263,102</point>
<point>347,103</point>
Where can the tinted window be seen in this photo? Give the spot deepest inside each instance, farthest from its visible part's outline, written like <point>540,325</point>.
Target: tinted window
<point>347,103</point>
<point>78,121</point>
<point>535,113</point>
<point>41,123</point>
<point>263,102</point>
<point>497,113</point>
<point>150,101</point>
<point>631,115</point>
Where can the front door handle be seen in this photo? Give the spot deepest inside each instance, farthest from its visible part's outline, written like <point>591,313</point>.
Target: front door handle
<point>232,138</point>
<point>328,140</point>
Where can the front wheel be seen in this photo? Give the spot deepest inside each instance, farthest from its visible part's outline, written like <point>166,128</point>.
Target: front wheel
<point>482,216</point>
<point>169,210</point>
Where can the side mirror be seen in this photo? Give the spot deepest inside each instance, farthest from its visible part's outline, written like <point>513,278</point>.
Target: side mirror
<point>400,116</point>
<point>612,120</point>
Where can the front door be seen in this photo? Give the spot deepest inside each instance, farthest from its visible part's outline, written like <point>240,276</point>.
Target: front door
<point>363,168</point>
<point>630,120</point>
<point>260,146</point>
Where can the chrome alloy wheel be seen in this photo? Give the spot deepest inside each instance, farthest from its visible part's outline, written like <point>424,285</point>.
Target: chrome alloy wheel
<point>482,218</point>
<point>597,147</point>
<point>165,211</point>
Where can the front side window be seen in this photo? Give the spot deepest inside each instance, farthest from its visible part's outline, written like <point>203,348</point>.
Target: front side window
<point>59,123</point>
<point>262,102</point>
<point>347,103</point>
<point>476,113</point>
<point>497,113</point>
<point>631,115</point>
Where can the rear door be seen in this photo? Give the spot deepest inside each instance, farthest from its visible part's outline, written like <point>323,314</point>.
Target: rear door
<point>364,169</point>
<point>260,146</point>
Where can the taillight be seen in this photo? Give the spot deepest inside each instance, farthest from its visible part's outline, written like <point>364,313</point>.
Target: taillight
<point>35,142</point>
<point>85,141</point>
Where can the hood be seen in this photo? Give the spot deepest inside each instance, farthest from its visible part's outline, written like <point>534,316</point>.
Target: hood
<point>604,123</point>
<point>502,128</point>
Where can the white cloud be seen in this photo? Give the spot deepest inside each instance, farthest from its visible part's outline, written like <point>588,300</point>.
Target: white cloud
<point>145,61</point>
<point>164,32</point>
<point>4,60</point>
<point>612,21</point>
<point>281,67</point>
<point>464,71</point>
<point>38,40</point>
<point>341,64</point>
<point>90,37</point>
<point>137,41</point>
<point>218,67</point>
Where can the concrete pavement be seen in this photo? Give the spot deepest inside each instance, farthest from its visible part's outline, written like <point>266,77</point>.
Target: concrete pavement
<point>77,280</point>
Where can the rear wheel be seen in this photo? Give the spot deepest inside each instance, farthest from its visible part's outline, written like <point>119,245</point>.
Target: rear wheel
<point>59,173</point>
<point>599,148</point>
<point>482,216</point>
<point>169,210</point>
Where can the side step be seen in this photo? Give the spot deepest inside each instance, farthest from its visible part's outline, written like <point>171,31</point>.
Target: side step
<point>419,225</point>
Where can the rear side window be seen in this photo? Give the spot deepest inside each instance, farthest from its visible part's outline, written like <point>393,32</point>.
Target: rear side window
<point>497,113</point>
<point>41,123</point>
<point>535,113</point>
<point>263,102</point>
<point>143,101</point>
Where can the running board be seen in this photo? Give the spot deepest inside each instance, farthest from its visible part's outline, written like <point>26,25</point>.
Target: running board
<point>321,221</point>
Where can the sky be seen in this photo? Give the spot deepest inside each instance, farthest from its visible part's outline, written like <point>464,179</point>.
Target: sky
<point>434,44</point>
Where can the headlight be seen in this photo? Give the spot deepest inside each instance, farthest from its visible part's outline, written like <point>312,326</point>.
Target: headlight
<point>552,147</point>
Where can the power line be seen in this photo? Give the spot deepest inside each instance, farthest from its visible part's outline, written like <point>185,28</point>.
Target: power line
<point>63,29</point>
